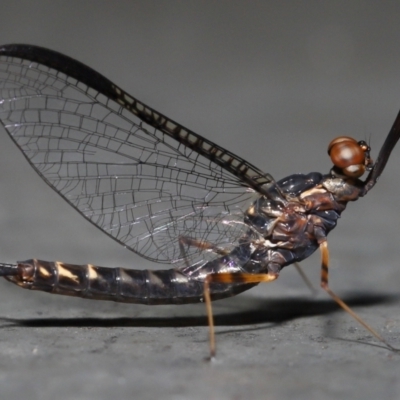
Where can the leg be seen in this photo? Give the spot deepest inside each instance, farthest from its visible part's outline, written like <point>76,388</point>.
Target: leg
<point>8,269</point>
<point>227,277</point>
<point>200,244</point>
<point>305,279</point>
<point>324,284</point>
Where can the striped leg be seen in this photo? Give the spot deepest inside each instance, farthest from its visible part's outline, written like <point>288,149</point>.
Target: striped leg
<point>227,277</point>
<point>324,284</point>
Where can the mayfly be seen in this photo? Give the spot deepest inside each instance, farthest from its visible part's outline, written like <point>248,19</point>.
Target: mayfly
<point>165,192</point>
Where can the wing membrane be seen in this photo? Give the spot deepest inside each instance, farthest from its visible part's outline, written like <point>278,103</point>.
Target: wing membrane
<point>143,179</point>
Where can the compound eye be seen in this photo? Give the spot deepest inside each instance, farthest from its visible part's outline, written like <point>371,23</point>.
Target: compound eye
<point>348,155</point>
<point>354,171</point>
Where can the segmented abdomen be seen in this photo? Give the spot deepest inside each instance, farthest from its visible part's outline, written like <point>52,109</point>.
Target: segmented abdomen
<point>117,284</point>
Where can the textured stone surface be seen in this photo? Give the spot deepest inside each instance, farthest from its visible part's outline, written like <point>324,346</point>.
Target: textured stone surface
<point>273,82</point>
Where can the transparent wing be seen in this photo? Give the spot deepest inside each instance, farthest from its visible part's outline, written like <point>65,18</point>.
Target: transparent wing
<point>143,179</point>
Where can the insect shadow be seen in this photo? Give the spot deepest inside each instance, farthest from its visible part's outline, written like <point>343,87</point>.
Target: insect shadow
<point>258,311</point>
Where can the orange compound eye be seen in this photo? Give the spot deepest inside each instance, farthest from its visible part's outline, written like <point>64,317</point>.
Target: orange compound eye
<point>354,171</point>
<point>346,152</point>
<point>340,139</point>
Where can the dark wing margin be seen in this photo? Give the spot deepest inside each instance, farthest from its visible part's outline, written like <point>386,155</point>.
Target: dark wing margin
<point>383,157</point>
<point>248,173</point>
<point>141,178</point>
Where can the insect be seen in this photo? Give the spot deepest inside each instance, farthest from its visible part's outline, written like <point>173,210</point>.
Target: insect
<point>165,192</point>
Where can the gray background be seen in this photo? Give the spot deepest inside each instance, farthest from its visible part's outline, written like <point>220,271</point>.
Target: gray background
<point>273,82</point>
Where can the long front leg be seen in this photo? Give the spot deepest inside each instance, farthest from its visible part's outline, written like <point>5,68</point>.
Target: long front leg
<point>324,284</point>
<point>227,277</point>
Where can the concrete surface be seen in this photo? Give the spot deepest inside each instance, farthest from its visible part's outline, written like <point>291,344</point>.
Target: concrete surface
<point>273,82</point>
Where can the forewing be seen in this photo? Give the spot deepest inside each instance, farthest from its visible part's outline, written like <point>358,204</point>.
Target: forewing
<point>143,179</point>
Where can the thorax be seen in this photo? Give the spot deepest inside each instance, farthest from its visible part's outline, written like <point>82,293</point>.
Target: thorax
<point>307,201</point>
